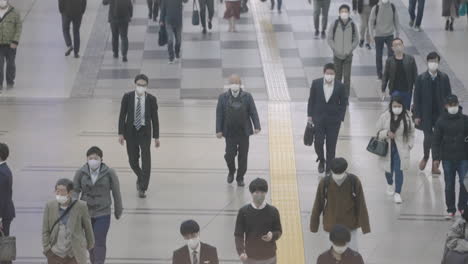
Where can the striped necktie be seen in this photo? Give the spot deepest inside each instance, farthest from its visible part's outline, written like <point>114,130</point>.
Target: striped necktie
<point>138,120</point>
<point>195,258</point>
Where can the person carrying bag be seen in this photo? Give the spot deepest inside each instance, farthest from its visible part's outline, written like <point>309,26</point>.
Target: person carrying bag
<point>195,14</point>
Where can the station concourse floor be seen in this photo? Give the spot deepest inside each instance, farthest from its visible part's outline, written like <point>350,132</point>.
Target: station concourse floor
<point>61,106</point>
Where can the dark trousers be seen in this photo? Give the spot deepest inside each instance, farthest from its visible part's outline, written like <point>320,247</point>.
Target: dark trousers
<point>101,225</point>
<point>406,96</point>
<point>7,55</point>
<point>119,29</point>
<point>412,9</point>
<point>204,5</point>
<point>451,168</point>
<point>280,3</point>
<point>54,259</point>
<point>427,143</point>
<point>343,71</point>
<point>326,130</point>
<point>395,169</point>
<point>6,230</point>
<point>174,40</point>
<point>136,144</point>
<point>76,21</point>
<point>379,45</point>
<point>153,9</point>
<point>237,146</point>
<point>321,6</point>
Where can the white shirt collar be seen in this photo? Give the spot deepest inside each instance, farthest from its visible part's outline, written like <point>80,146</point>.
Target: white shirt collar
<point>1,162</point>
<point>433,75</point>
<point>142,96</point>
<point>198,252</point>
<point>263,205</point>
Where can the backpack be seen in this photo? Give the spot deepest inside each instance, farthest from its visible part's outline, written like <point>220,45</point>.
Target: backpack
<point>236,113</point>
<point>377,12</point>
<point>353,26</point>
<point>326,184</point>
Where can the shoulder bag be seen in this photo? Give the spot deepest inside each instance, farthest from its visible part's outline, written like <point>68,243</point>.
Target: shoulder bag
<point>378,146</point>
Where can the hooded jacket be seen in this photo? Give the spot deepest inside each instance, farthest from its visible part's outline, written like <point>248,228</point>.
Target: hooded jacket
<point>343,42</point>
<point>385,23</point>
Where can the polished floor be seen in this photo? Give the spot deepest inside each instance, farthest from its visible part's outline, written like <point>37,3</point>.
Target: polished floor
<point>62,106</point>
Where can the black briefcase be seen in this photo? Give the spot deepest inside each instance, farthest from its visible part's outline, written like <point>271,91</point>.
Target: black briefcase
<point>309,134</point>
<point>162,38</point>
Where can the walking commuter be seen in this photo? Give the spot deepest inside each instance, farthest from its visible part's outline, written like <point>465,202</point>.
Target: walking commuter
<point>204,5</point>
<point>258,227</point>
<point>343,40</point>
<point>95,181</point>
<point>364,7</point>
<point>400,73</point>
<point>195,252</point>
<point>67,232</point>
<point>120,14</point>
<point>235,113</point>
<point>153,9</point>
<point>449,146</point>
<point>431,89</point>
<point>340,198</point>
<point>10,32</point>
<point>232,13</point>
<point>72,13</point>
<point>7,208</point>
<point>326,109</point>
<point>321,7</point>
<point>138,122</point>
<point>171,17</point>
<point>384,26</point>
<point>396,127</point>
<point>280,3</point>
<point>450,12</point>
<point>340,253</point>
<point>416,19</point>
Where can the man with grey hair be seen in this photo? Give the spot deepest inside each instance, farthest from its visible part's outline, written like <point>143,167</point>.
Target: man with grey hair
<point>235,114</point>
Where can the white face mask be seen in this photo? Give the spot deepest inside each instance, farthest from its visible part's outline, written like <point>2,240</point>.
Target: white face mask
<point>3,4</point>
<point>385,1</point>
<point>397,110</point>
<point>140,90</point>
<point>329,78</point>
<point>344,15</point>
<point>61,199</point>
<point>94,164</point>
<point>452,110</point>
<point>338,177</point>
<point>433,66</point>
<point>193,242</point>
<point>340,250</point>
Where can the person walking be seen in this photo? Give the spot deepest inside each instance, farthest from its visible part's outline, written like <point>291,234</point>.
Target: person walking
<point>430,91</point>
<point>384,26</point>
<point>396,127</point>
<point>7,208</point>
<point>416,20</point>
<point>153,9</point>
<point>235,113</point>
<point>343,40</point>
<point>326,109</point>
<point>204,6</point>
<point>72,13</point>
<point>67,232</point>
<point>320,7</point>
<point>138,121</point>
<point>340,253</point>
<point>95,182</point>
<point>171,18</point>
<point>364,8</point>
<point>450,12</point>
<point>10,32</point>
<point>232,13</point>
<point>120,14</point>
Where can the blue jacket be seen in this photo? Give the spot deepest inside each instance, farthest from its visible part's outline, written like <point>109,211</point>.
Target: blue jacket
<point>7,209</point>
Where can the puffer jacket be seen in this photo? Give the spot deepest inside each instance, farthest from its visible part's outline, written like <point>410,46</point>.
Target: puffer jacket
<point>10,27</point>
<point>448,141</point>
<point>343,42</point>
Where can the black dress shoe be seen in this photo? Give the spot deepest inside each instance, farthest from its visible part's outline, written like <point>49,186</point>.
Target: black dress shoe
<point>230,177</point>
<point>77,56</point>
<point>68,52</point>
<point>124,59</point>
<point>317,33</point>
<point>204,31</point>
<point>240,183</point>
<point>451,26</point>
<point>210,26</point>
<point>321,166</point>
<point>141,194</point>
<point>116,56</point>
<point>447,25</point>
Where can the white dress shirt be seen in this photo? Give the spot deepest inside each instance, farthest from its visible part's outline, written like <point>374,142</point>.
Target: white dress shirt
<point>328,90</point>
<point>260,207</point>
<point>143,99</point>
<point>198,253</point>
<point>94,175</point>
<point>433,76</point>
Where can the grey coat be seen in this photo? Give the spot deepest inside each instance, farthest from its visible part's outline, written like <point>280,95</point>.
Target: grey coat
<point>386,23</point>
<point>98,195</point>
<point>343,42</point>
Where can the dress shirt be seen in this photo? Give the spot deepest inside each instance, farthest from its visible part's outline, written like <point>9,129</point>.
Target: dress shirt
<point>260,207</point>
<point>433,76</point>
<point>198,253</point>
<point>143,99</point>
<point>328,89</point>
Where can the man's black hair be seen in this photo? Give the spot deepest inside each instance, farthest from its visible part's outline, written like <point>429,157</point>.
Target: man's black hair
<point>258,184</point>
<point>340,235</point>
<point>141,77</point>
<point>4,151</point>
<point>344,6</point>
<point>94,150</point>
<point>329,66</point>
<point>189,227</point>
<point>433,56</point>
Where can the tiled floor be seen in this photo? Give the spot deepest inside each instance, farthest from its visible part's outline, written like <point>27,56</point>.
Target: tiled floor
<point>61,106</point>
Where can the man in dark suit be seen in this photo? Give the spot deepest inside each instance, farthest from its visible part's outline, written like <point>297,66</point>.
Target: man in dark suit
<point>195,252</point>
<point>138,114</point>
<point>326,110</point>
<point>7,209</point>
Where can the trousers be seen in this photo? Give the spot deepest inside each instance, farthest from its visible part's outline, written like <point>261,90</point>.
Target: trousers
<point>119,29</point>
<point>326,130</point>
<point>204,5</point>
<point>343,71</point>
<point>137,144</point>
<point>412,11</point>
<point>8,56</point>
<point>321,7</point>
<point>174,40</point>
<point>76,22</point>
<point>364,29</point>
<point>379,45</point>
<point>237,146</point>
<point>101,225</point>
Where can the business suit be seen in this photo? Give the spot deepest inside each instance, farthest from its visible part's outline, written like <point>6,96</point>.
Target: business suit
<point>7,208</point>
<point>139,140</point>
<point>208,255</point>
<point>79,224</point>
<point>327,117</point>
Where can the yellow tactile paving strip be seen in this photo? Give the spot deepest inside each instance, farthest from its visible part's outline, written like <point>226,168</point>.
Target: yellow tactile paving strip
<point>284,191</point>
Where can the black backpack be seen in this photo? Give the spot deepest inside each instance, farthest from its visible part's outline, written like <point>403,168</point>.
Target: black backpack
<point>353,26</point>
<point>377,12</point>
<point>236,113</point>
<point>326,184</point>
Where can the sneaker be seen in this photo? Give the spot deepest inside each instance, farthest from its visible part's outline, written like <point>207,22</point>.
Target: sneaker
<point>390,190</point>
<point>68,52</point>
<point>116,56</point>
<point>210,26</point>
<point>124,59</point>
<point>435,169</point>
<point>171,61</point>
<point>204,31</point>
<point>447,25</point>
<point>422,164</point>
<point>397,198</point>
<point>361,43</point>
<point>77,56</point>
<point>240,183</point>
<point>141,194</point>
<point>411,23</point>
<point>449,216</point>
<point>368,46</point>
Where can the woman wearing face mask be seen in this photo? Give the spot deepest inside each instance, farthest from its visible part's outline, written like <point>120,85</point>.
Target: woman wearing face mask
<point>95,182</point>
<point>396,126</point>
<point>340,253</point>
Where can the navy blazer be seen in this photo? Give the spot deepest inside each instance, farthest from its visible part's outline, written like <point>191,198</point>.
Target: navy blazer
<point>208,255</point>
<point>7,208</point>
<point>334,109</point>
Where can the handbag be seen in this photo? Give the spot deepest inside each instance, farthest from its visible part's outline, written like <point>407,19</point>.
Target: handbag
<point>378,146</point>
<point>195,14</point>
<point>309,134</point>
<point>162,38</point>
<point>7,247</point>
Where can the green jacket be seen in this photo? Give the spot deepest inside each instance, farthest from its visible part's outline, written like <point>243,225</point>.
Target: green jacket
<point>10,27</point>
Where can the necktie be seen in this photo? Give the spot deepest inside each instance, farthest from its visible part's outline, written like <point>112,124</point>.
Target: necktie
<point>138,120</point>
<point>195,259</point>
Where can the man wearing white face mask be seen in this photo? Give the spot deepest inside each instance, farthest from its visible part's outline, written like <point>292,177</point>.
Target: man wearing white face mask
<point>431,89</point>
<point>10,32</point>
<point>95,181</point>
<point>449,146</point>
<point>195,252</point>
<point>340,253</point>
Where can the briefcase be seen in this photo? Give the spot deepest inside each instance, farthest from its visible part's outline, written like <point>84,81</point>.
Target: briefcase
<point>309,134</point>
<point>195,14</point>
<point>162,38</point>
<point>378,146</point>
<point>7,247</point>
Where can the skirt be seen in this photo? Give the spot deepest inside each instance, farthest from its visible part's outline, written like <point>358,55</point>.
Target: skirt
<point>233,9</point>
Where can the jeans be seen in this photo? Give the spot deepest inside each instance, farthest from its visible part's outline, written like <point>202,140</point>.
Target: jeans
<point>412,10</point>
<point>321,6</point>
<point>326,130</point>
<point>451,168</point>
<point>364,31</point>
<point>379,45</point>
<point>153,9</point>
<point>119,29</point>
<point>76,21</point>
<point>174,34</point>
<point>406,96</point>
<point>343,71</point>
<point>427,143</point>
<point>101,226</point>
<point>237,146</point>
<point>280,3</point>
<point>9,55</point>
<point>206,4</point>
<point>395,168</point>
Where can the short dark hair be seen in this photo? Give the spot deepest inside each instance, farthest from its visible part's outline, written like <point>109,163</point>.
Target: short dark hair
<point>141,77</point>
<point>451,99</point>
<point>338,165</point>
<point>4,151</point>
<point>432,56</point>
<point>94,150</point>
<point>258,184</point>
<point>340,235</point>
<point>344,6</point>
<point>65,182</point>
<point>189,227</point>
<point>329,66</point>
<point>395,39</point>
